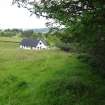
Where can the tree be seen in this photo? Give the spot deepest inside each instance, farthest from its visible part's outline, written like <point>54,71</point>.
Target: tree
<point>64,11</point>
<point>27,33</point>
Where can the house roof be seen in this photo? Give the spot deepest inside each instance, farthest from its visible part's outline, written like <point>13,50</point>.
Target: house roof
<point>30,42</point>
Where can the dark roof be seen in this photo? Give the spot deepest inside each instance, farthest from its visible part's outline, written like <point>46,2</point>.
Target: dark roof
<point>30,42</point>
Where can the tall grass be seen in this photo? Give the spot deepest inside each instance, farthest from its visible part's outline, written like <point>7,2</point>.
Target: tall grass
<point>47,78</point>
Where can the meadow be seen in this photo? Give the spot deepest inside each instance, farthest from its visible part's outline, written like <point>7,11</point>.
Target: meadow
<point>50,77</point>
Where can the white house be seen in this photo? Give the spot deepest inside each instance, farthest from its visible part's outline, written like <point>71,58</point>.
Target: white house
<point>33,44</point>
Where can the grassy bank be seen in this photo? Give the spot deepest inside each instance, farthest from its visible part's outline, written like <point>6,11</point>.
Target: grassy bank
<point>47,78</point>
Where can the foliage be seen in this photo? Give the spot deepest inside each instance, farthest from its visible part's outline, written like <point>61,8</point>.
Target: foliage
<point>27,33</point>
<point>64,46</point>
<point>13,33</point>
<point>52,39</point>
<point>10,32</point>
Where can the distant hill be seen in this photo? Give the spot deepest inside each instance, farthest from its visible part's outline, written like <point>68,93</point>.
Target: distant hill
<point>42,30</point>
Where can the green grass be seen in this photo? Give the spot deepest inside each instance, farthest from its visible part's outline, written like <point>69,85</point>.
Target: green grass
<point>47,78</point>
<point>11,39</point>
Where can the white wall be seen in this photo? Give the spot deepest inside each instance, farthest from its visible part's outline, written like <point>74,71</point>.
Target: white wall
<point>21,46</point>
<point>25,47</point>
<point>41,45</point>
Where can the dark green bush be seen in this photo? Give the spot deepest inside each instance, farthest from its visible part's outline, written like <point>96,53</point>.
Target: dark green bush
<point>64,46</point>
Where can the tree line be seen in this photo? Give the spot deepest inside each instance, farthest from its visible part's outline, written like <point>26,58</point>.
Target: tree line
<point>19,32</point>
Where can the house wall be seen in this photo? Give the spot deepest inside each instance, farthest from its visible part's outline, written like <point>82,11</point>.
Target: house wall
<point>21,46</point>
<point>41,45</point>
<point>25,47</point>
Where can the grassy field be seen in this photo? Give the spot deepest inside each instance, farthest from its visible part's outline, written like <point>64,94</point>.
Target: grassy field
<point>10,39</point>
<point>47,78</point>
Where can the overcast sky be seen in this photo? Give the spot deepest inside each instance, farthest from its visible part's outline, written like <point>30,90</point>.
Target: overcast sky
<point>14,17</point>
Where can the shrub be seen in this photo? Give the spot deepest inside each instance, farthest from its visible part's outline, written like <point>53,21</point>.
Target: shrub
<point>64,46</point>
